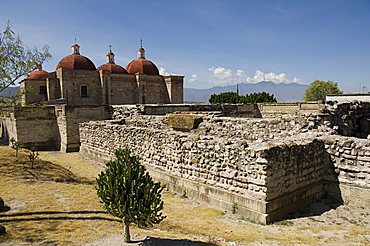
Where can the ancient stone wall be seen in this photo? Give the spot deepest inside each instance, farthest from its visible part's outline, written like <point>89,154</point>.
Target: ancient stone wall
<point>351,159</point>
<point>220,162</point>
<point>349,119</point>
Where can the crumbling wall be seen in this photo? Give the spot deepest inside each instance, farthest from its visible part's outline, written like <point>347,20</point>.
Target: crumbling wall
<point>349,119</point>
<point>220,163</point>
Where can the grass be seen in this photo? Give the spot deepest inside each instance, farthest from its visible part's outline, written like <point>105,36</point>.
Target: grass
<point>56,203</point>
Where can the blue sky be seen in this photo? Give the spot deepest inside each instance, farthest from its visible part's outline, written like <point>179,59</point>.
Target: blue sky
<point>211,42</point>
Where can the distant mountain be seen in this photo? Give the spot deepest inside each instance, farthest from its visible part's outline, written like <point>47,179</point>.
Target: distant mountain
<point>283,92</point>
<point>10,91</point>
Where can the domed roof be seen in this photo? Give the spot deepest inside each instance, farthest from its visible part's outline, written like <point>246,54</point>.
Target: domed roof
<point>110,65</point>
<point>142,65</point>
<point>76,61</point>
<point>113,68</point>
<point>38,74</point>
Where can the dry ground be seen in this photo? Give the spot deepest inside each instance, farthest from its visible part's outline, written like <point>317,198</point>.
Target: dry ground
<point>55,204</point>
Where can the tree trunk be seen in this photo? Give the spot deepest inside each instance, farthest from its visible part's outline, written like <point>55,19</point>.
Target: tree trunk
<point>126,230</point>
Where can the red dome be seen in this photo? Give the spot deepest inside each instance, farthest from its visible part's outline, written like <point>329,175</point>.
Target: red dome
<point>142,66</point>
<point>76,61</point>
<point>38,74</point>
<point>113,68</point>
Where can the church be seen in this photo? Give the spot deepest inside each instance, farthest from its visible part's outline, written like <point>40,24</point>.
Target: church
<point>77,81</point>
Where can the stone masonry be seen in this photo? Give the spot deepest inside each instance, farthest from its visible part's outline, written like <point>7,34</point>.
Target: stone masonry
<point>268,167</point>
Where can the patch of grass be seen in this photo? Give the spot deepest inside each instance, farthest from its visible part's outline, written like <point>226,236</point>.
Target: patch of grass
<point>284,223</point>
<point>42,170</point>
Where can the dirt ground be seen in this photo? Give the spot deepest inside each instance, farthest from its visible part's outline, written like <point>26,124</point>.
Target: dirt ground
<point>55,203</point>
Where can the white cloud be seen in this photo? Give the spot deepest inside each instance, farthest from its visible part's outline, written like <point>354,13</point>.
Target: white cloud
<point>224,76</point>
<point>193,77</point>
<point>162,71</point>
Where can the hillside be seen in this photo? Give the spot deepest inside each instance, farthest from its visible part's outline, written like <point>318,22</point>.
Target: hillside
<point>10,91</point>
<point>283,92</point>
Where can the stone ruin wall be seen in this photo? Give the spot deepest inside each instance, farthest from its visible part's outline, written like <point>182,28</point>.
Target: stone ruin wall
<point>257,163</point>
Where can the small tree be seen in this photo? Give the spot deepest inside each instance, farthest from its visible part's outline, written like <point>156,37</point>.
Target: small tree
<point>128,192</point>
<point>32,156</point>
<point>319,89</point>
<point>17,60</point>
<point>15,144</point>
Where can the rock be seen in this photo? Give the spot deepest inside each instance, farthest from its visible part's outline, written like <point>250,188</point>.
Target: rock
<point>184,122</point>
<point>3,206</point>
<point>2,230</point>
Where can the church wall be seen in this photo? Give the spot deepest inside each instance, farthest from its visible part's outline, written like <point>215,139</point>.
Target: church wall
<point>175,88</point>
<point>153,89</point>
<point>72,80</point>
<point>123,89</point>
<point>53,87</point>
<point>69,118</point>
<point>33,93</point>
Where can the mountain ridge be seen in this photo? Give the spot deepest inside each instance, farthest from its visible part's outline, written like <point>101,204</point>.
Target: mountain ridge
<point>292,92</point>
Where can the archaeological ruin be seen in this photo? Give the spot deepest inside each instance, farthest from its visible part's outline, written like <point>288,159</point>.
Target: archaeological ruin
<point>266,160</point>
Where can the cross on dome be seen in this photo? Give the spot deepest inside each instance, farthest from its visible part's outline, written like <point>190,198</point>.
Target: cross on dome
<point>141,51</point>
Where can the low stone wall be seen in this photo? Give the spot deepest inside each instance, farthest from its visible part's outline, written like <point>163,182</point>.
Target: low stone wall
<point>48,127</point>
<point>271,110</point>
<point>267,180</point>
<point>31,126</point>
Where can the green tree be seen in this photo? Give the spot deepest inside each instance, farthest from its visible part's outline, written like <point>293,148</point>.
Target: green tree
<point>17,60</point>
<point>232,97</point>
<point>224,97</point>
<point>319,89</point>
<point>15,144</point>
<point>128,192</point>
<point>32,156</point>
<point>260,97</point>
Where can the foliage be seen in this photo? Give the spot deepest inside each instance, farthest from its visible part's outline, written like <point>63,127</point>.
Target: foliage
<point>224,97</point>
<point>15,144</point>
<point>234,208</point>
<point>128,192</point>
<point>32,156</point>
<point>258,98</point>
<point>319,89</point>
<point>232,97</point>
<point>17,60</point>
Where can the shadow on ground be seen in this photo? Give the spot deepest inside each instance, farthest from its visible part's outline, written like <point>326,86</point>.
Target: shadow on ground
<point>153,241</point>
<point>317,208</point>
<point>49,215</point>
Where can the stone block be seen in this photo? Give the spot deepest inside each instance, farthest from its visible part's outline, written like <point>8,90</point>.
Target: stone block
<point>184,122</point>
